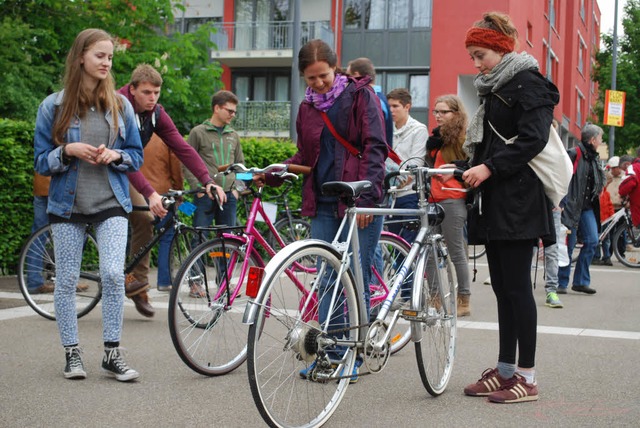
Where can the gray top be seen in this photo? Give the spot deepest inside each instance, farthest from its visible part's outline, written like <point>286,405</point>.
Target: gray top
<point>93,193</point>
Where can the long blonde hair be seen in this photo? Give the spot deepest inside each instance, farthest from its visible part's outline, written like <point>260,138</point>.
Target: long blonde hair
<point>453,132</point>
<point>77,99</point>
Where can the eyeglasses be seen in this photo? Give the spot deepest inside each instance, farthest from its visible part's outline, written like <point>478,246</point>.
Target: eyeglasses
<point>441,112</point>
<point>231,111</point>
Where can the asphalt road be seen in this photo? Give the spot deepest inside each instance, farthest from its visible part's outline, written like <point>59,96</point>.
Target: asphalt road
<point>586,362</point>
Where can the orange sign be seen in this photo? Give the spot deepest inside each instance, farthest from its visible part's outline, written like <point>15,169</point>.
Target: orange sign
<point>614,108</point>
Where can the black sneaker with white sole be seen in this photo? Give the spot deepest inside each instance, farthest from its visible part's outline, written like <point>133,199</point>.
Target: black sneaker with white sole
<point>114,365</point>
<point>74,369</point>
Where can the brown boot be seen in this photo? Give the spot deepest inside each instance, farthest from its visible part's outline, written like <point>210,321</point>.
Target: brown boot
<point>132,286</point>
<point>463,305</point>
<point>143,305</point>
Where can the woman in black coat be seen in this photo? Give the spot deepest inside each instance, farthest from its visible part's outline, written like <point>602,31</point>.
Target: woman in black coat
<point>511,210</point>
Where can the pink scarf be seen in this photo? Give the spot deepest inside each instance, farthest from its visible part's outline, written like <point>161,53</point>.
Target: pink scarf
<point>323,102</point>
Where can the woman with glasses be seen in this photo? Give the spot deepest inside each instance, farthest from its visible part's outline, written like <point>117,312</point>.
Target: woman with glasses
<point>444,147</point>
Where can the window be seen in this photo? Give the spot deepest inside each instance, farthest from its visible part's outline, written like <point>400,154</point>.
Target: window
<point>582,10</point>
<point>387,14</point>
<point>579,107</point>
<point>261,85</point>
<point>529,33</point>
<point>554,8</point>
<point>582,54</point>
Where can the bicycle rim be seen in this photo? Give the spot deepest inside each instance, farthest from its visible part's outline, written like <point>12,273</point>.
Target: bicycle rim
<point>207,331</point>
<point>37,266</point>
<point>284,337</point>
<point>394,251</point>
<point>182,243</point>
<point>435,352</point>
<point>625,248</point>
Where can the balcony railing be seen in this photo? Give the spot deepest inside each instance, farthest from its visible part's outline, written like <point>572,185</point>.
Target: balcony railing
<point>267,118</point>
<point>267,35</point>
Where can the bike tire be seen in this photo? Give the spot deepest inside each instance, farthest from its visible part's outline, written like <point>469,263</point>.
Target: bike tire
<point>285,336</point>
<point>37,263</point>
<point>628,251</point>
<point>290,231</point>
<point>435,334</point>
<point>185,240</point>
<point>207,332</point>
<point>394,252</point>
<point>476,251</point>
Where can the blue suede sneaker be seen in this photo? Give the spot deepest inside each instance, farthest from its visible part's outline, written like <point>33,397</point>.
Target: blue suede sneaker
<point>354,373</point>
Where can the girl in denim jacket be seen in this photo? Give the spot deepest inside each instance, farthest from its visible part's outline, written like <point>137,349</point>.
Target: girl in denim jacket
<point>86,139</point>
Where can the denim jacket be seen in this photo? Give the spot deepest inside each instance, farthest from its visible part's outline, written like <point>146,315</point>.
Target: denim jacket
<point>64,178</point>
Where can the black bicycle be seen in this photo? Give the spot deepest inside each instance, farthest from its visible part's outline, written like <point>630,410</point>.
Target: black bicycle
<point>37,262</point>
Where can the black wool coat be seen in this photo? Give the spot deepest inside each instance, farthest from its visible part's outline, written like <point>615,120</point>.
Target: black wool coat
<point>513,203</point>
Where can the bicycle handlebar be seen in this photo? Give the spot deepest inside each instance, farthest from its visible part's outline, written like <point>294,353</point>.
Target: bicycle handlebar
<point>429,172</point>
<point>277,169</point>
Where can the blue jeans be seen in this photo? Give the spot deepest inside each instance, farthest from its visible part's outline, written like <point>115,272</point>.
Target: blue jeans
<point>164,277</point>
<point>324,227</point>
<point>40,219</point>
<point>551,258</point>
<point>207,211</point>
<point>588,230</point>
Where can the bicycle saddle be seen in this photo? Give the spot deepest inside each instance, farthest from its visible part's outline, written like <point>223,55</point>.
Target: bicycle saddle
<point>347,191</point>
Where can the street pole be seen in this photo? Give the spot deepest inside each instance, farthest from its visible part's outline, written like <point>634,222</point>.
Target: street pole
<point>614,60</point>
<point>295,74</point>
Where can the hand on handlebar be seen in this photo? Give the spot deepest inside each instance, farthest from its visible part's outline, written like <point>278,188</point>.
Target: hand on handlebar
<point>216,193</point>
<point>156,206</point>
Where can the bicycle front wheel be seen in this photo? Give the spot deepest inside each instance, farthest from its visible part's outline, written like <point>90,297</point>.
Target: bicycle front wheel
<point>394,251</point>
<point>290,231</point>
<point>301,358</point>
<point>206,306</point>
<point>37,274</point>
<point>626,247</point>
<point>436,326</point>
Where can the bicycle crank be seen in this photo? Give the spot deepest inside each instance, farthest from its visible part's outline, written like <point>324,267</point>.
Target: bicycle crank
<point>376,347</point>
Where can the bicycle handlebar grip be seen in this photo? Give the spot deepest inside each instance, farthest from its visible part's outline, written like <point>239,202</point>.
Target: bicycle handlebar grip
<point>299,169</point>
<point>388,178</point>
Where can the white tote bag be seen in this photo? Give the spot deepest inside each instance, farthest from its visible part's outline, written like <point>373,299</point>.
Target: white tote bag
<point>552,166</point>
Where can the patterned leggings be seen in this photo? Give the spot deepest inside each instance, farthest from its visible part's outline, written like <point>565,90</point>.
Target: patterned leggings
<point>68,240</point>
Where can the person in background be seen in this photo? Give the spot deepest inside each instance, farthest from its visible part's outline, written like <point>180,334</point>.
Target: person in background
<point>409,142</point>
<point>511,211</point>
<point>630,187</point>
<point>332,92</point>
<point>218,144</point>
<point>86,139</point>
<point>617,175</point>
<point>361,67</point>
<point>143,91</point>
<point>581,209</point>
<point>603,251</point>
<point>625,161</point>
<point>36,284</point>
<point>164,172</point>
<point>444,147</point>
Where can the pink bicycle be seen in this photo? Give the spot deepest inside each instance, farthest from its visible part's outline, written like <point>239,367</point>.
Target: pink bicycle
<point>207,330</point>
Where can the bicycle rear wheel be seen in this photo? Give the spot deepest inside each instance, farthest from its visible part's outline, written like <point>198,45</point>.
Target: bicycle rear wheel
<point>205,311</point>
<point>394,252</point>
<point>626,246</point>
<point>436,328</point>
<point>296,370</point>
<point>37,268</point>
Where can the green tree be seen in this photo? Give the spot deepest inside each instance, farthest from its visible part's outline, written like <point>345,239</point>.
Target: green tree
<point>627,138</point>
<point>38,34</point>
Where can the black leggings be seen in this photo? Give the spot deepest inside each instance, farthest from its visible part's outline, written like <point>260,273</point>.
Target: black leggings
<point>510,270</point>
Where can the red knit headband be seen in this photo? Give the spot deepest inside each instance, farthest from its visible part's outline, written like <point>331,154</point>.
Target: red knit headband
<point>490,39</point>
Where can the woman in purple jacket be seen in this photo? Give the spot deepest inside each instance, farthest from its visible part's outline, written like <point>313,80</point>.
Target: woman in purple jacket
<point>354,111</point>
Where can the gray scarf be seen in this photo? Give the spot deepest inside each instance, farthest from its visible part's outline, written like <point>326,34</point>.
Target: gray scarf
<point>510,65</point>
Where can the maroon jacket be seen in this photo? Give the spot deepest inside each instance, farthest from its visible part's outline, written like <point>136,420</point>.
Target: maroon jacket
<point>630,186</point>
<point>362,124</point>
<point>167,131</point>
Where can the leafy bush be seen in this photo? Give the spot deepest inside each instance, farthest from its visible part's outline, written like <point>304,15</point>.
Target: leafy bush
<point>16,179</point>
<point>16,182</point>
